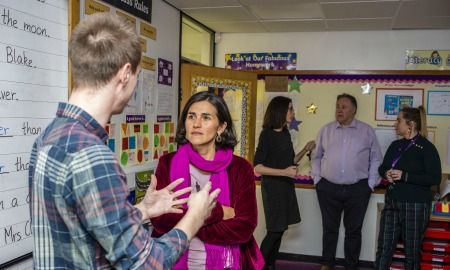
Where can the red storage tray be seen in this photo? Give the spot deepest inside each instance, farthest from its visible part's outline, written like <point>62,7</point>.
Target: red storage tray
<point>437,233</point>
<point>439,224</point>
<point>436,245</point>
<point>433,266</point>
<point>435,257</point>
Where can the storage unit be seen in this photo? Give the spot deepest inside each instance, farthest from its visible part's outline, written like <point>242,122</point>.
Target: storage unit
<point>435,247</point>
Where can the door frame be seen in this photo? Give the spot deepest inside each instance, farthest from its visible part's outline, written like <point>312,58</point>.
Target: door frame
<point>190,71</point>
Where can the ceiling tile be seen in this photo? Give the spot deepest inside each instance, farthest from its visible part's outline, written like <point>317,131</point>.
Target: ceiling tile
<point>422,23</point>
<point>438,7</point>
<point>351,1</point>
<point>287,11</point>
<point>360,10</point>
<point>180,4</point>
<point>227,14</point>
<point>236,27</point>
<point>274,3</point>
<point>424,8</point>
<point>359,24</point>
<point>317,15</point>
<point>294,26</point>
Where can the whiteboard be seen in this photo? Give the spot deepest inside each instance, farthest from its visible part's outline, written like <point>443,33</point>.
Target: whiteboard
<point>33,79</point>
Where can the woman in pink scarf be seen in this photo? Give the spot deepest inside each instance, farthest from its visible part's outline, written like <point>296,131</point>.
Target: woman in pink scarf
<point>206,139</point>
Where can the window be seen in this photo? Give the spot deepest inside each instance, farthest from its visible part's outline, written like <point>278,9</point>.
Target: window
<point>197,42</point>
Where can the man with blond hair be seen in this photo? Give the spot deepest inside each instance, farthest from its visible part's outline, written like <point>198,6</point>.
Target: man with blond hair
<point>80,216</point>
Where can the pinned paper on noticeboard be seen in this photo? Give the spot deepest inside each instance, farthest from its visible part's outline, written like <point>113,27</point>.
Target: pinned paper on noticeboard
<point>163,139</point>
<point>135,143</point>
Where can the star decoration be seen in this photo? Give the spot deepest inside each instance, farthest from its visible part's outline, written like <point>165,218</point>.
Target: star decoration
<point>294,124</point>
<point>294,85</point>
<point>366,88</point>
<point>312,108</point>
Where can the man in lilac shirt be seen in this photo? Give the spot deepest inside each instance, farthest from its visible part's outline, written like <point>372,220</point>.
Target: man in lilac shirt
<point>345,170</point>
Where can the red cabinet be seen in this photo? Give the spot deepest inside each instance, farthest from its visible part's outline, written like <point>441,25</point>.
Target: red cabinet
<point>435,247</point>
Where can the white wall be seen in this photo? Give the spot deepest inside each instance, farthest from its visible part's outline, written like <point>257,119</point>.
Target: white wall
<point>305,238</point>
<point>354,50</point>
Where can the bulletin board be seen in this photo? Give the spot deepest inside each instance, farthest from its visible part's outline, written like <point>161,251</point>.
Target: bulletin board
<point>314,97</point>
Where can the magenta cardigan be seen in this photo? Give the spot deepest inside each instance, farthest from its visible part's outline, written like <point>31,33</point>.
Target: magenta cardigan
<point>238,230</point>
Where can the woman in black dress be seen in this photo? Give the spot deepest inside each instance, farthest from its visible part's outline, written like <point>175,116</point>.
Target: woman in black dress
<point>276,161</point>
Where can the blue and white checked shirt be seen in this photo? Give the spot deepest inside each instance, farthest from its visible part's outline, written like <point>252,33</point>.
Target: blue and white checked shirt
<point>81,218</point>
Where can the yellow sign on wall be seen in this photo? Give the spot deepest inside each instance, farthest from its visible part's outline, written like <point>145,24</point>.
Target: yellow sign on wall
<point>143,43</point>
<point>148,63</point>
<point>427,59</point>
<point>148,30</point>
<point>127,17</point>
<point>91,7</point>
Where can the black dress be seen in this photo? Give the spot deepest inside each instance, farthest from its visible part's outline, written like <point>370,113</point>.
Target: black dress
<point>275,150</point>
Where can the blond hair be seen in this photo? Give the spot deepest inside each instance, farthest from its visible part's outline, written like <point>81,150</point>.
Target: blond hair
<point>418,116</point>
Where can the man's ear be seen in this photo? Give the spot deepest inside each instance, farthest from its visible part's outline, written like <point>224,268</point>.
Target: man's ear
<point>125,73</point>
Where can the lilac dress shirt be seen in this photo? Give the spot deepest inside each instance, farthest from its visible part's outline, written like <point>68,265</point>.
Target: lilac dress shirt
<point>345,155</point>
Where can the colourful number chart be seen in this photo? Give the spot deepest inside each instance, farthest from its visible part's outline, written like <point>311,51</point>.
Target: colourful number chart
<point>135,143</point>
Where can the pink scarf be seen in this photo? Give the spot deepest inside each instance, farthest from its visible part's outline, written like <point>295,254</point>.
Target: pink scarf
<point>179,168</point>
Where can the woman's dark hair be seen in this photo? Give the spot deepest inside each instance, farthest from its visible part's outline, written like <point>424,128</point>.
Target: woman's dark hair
<point>276,112</point>
<point>418,116</point>
<point>223,114</point>
<point>349,97</point>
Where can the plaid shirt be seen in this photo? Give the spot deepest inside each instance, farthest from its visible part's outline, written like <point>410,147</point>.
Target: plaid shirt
<point>81,218</point>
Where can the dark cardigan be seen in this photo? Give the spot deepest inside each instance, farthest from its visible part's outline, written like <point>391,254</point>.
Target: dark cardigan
<point>421,168</point>
<point>238,230</point>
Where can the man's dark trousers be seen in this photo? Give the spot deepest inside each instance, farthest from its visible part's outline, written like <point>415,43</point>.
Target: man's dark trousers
<point>333,200</point>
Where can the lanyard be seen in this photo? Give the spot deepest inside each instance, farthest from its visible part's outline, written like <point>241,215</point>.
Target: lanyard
<point>402,150</point>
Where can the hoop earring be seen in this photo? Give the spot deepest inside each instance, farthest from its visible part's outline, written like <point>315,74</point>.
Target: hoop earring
<point>218,138</point>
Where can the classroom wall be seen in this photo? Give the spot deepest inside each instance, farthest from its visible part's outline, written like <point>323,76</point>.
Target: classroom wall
<point>353,50</point>
<point>372,50</point>
<point>323,95</point>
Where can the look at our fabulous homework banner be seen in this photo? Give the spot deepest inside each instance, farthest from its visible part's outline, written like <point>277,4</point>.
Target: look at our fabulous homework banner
<point>261,61</point>
<point>427,60</point>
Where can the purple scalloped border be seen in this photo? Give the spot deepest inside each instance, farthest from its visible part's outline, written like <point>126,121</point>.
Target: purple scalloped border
<point>364,77</point>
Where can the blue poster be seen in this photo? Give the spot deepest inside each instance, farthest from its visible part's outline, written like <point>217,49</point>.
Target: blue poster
<point>394,103</point>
